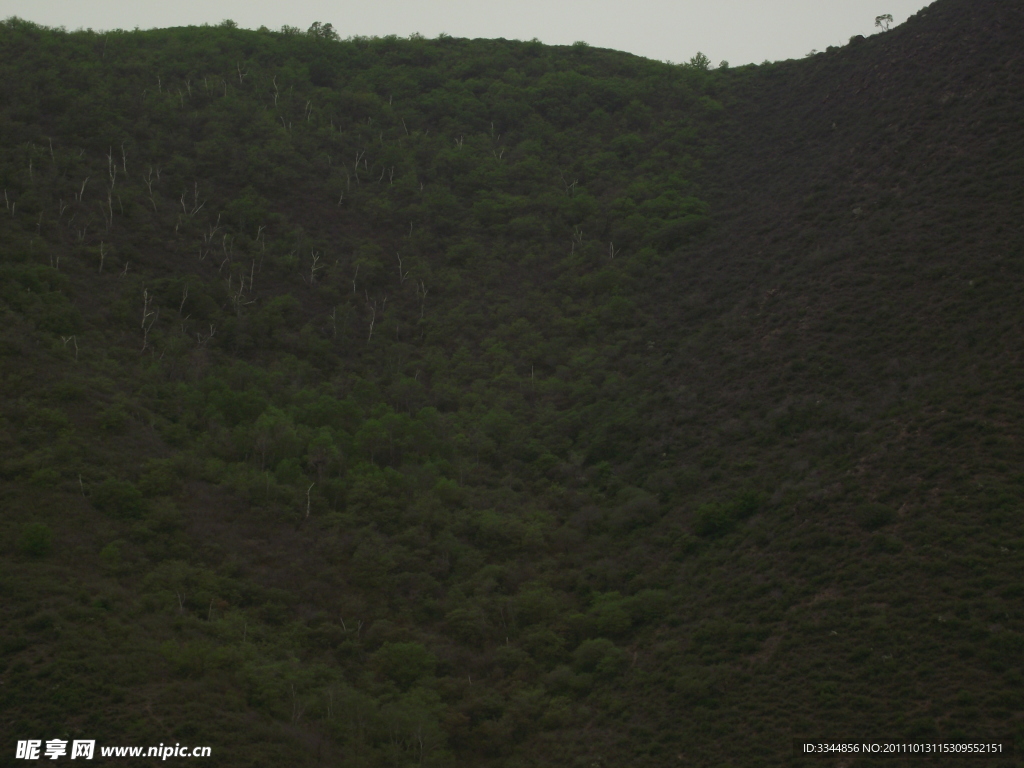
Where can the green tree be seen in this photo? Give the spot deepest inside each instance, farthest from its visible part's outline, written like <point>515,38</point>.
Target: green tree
<point>701,62</point>
<point>273,437</point>
<point>322,31</point>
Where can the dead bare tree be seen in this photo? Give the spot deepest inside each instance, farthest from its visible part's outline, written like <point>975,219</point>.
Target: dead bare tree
<point>402,276</point>
<point>236,298</point>
<point>66,339</point>
<point>196,206</point>
<point>228,251</point>
<point>577,238</point>
<point>147,313</point>
<point>148,179</point>
<point>315,267</point>
<point>204,247</point>
<point>297,710</point>
<point>372,306</point>
<point>422,293</point>
<point>355,167</point>
<point>261,238</point>
<point>199,336</point>
<point>570,188</point>
<point>108,214</point>
<point>111,167</point>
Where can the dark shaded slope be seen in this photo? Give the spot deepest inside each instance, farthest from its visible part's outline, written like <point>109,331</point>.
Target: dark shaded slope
<point>849,335</point>
<point>885,179</point>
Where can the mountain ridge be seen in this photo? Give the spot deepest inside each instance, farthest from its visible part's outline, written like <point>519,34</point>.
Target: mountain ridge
<point>698,422</point>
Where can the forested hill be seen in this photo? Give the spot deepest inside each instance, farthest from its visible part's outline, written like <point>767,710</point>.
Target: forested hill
<point>447,402</point>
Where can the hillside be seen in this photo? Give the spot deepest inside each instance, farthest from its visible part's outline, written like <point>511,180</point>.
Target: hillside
<point>449,402</point>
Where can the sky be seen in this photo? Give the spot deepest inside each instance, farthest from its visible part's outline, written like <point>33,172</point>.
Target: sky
<point>737,31</point>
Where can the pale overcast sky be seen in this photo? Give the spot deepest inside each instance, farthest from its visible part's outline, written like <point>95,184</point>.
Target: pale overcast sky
<point>739,31</point>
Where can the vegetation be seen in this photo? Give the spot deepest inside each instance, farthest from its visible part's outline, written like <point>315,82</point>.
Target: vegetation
<point>448,402</point>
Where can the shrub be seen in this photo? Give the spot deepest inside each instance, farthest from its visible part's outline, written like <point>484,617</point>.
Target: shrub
<point>449,492</point>
<point>718,518</point>
<point>118,498</point>
<point>110,556</point>
<point>881,542</point>
<point>36,540</point>
<point>405,663</point>
<point>544,645</point>
<point>114,419</point>
<point>46,477</point>
<point>713,519</point>
<point>747,503</point>
<point>159,480</point>
<point>871,517</point>
<point>609,616</point>
<point>186,659</point>
<point>600,655</point>
<point>650,605</point>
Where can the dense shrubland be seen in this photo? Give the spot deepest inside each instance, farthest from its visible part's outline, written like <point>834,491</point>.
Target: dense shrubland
<point>387,402</point>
